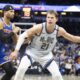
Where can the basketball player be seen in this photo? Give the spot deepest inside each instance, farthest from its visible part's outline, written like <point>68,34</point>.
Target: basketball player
<point>7,33</point>
<point>44,37</point>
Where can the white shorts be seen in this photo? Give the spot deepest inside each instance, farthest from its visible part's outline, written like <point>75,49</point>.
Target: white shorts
<point>43,60</point>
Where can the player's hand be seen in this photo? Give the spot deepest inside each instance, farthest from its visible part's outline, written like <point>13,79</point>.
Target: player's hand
<point>17,29</point>
<point>13,55</point>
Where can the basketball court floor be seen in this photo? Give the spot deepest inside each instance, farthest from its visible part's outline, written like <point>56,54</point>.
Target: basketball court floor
<point>46,77</point>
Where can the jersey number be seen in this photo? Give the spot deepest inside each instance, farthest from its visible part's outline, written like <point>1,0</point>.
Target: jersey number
<point>44,46</point>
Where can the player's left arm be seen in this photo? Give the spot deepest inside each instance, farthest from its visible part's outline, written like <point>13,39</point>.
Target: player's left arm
<point>62,32</point>
<point>16,29</point>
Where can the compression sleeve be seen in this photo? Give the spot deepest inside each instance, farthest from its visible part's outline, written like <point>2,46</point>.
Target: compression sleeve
<point>21,40</point>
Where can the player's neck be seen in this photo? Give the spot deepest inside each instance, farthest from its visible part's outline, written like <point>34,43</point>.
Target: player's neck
<point>50,27</point>
<point>6,20</point>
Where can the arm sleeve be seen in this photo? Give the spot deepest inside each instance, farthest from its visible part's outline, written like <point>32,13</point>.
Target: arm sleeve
<point>21,40</point>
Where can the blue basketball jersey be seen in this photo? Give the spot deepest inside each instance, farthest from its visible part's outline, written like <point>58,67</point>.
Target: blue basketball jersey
<point>5,48</point>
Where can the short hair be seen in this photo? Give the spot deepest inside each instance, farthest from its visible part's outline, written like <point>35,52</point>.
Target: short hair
<point>53,12</point>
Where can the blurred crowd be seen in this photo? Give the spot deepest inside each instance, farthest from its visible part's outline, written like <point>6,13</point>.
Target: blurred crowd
<point>68,58</point>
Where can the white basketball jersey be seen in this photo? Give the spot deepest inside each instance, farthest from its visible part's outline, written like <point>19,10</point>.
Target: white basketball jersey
<point>42,44</point>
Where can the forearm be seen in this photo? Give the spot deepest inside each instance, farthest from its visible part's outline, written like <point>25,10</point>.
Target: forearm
<point>76,39</point>
<point>20,41</point>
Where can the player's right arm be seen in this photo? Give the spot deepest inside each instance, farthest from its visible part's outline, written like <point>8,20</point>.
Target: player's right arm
<point>1,25</point>
<point>35,30</point>
<point>1,30</point>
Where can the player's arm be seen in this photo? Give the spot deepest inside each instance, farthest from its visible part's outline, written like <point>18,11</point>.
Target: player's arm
<point>27,34</point>
<point>1,30</point>
<point>1,25</point>
<point>62,32</point>
<point>16,29</point>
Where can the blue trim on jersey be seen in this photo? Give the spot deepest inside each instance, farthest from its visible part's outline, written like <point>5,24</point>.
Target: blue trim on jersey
<point>48,63</point>
<point>29,57</point>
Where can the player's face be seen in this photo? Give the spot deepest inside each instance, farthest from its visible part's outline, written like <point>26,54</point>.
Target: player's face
<point>51,19</point>
<point>10,14</point>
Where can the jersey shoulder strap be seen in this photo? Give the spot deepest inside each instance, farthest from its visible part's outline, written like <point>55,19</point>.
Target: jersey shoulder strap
<point>57,27</point>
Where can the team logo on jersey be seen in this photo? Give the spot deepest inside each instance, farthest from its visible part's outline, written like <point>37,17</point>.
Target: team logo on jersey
<point>46,42</point>
<point>7,31</point>
<point>6,58</point>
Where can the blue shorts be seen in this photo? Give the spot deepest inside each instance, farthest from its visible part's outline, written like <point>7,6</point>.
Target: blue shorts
<point>4,58</point>
<point>4,55</point>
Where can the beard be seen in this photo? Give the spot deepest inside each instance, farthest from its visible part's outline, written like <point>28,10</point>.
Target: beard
<point>10,17</point>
